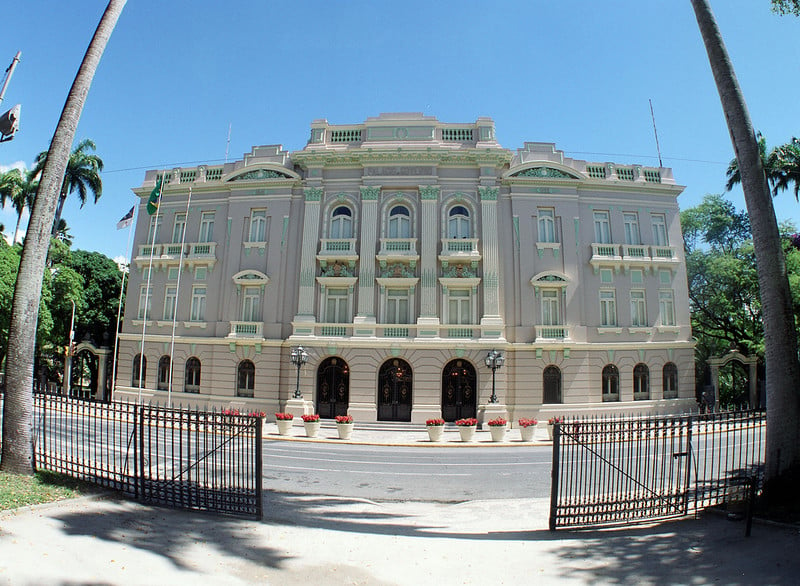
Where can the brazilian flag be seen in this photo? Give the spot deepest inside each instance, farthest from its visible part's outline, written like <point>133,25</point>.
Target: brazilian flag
<point>155,199</point>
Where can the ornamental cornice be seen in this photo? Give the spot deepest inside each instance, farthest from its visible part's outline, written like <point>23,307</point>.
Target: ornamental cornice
<point>313,193</point>
<point>358,157</point>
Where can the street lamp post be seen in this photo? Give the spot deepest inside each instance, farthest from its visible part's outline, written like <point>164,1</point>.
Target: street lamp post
<point>299,358</point>
<point>494,360</point>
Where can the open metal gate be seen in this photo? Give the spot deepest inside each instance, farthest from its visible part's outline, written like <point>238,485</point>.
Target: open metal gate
<point>612,471</point>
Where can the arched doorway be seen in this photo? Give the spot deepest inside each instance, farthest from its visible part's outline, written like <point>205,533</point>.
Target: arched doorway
<point>333,388</point>
<point>459,399</point>
<point>551,385</point>
<point>84,375</point>
<point>394,391</point>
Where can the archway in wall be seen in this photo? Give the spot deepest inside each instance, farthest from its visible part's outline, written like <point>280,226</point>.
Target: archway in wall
<point>333,388</point>
<point>739,382</point>
<point>83,383</point>
<point>551,385</point>
<point>395,380</point>
<point>459,399</point>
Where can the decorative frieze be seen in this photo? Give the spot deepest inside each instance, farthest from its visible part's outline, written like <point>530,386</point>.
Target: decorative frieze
<point>313,193</point>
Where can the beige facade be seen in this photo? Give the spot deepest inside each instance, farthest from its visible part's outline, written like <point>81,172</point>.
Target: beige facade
<point>399,252</point>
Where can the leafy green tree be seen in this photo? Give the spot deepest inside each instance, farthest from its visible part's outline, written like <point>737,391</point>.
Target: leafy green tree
<point>100,299</point>
<point>784,164</point>
<point>20,188</point>
<point>786,7</point>
<point>82,175</point>
<point>9,266</point>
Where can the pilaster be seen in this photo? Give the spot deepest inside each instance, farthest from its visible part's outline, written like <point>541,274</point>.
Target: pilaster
<point>366,273</point>
<point>491,261</point>
<point>308,256</point>
<point>428,315</point>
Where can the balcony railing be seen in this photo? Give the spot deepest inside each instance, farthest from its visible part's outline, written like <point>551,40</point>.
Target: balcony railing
<point>246,329</point>
<point>169,254</point>
<point>640,255</point>
<point>338,330</point>
<point>552,332</point>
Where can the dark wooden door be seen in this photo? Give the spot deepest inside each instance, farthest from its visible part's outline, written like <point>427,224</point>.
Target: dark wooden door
<point>394,391</point>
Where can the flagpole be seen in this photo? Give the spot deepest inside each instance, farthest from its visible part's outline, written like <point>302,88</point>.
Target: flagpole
<point>175,303</point>
<point>147,287</point>
<point>125,270</point>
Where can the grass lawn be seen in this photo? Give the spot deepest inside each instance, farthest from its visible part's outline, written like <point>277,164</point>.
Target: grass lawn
<point>43,487</point>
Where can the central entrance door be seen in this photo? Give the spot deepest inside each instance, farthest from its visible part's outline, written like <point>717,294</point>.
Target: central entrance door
<point>394,391</point>
<point>333,388</point>
<point>459,400</point>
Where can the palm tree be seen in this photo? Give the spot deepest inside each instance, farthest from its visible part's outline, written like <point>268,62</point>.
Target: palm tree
<point>780,338</point>
<point>784,161</point>
<point>82,175</point>
<point>19,187</point>
<point>732,173</point>
<point>18,406</point>
<point>62,233</point>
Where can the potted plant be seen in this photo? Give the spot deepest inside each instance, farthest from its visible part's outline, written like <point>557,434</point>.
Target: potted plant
<point>435,429</point>
<point>311,423</point>
<point>498,427</point>
<point>285,422</point>
<point>550,423</point>
<point>344,425</point>
<point>466,427</point>
<point>526,428</point>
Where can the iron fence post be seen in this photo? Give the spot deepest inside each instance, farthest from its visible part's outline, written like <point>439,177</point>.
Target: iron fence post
<point>554,476</point>
<point>259,468</point>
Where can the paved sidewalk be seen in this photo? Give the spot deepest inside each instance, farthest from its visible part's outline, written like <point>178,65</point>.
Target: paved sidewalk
<point>328,540</point>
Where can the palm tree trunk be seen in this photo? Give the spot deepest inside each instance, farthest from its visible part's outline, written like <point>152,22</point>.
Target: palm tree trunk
<point>780,337</point>
<point>18,406</point>
<point>60,207</point>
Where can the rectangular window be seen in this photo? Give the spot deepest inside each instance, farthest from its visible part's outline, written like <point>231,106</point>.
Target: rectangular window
<point>336,308</point>
<point>631,221</point>
<point>602,228</point>
<point>178,227</point>
<point>198,310</point>
<point>251,304</point>
<point>551,307</point>
<point>200,273</point>
<point>608,308</point>
<point>169,302</point>
<point>459,309</point>
<point>547,225</point>
<point>637,276</point>
<point>155,224</point>
<point>145,301</point>
<point>606,275</point>
<point>206,227</point>
<point>397,306</point>
<point>666,307</point>
<point>659,230</point>
<point>638,309</point>
<point>172,273</point>
<point>258,226</point>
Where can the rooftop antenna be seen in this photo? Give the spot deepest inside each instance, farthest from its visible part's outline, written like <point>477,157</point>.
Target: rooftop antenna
<point>658,148</point>
<point>228,144</point>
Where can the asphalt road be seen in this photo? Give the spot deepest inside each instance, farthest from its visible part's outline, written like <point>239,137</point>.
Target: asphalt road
<point>384,473</point>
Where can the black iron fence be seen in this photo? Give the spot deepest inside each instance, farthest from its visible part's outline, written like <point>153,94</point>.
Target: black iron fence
<point>611,471</point>
<point>176,457</point>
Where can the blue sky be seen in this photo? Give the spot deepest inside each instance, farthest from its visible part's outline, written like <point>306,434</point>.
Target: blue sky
<point>578,73</point>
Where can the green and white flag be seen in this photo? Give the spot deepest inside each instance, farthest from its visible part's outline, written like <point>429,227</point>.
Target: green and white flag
<point>155,199</point>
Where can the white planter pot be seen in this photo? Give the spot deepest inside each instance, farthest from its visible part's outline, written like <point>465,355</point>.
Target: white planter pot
<point>467,432</point>
<point>284,425</point>
<point>550,431</point>
<point>435,432</point>
<point>498,432</point>
<point>527,433</point>
<point>345,430</point>
<point>312,428</point>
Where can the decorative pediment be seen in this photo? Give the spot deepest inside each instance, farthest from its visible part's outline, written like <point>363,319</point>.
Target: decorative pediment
<point>545,172</point>
<point>549,280</point>
<point>250,277</point>
<point>260,175</point>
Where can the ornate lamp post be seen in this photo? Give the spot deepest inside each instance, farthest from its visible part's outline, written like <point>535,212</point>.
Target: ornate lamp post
<point>494,360</point>
<point>299,358</point>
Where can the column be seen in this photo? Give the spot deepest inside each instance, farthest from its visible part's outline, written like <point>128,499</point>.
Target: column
<point>308,257</point>
<point>491,263</point>
<point>428,315</point>
<point>366,272</point>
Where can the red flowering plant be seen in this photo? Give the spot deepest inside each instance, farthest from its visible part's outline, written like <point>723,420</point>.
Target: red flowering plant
<point>257,414</point>
<point>344,419</point>
<point>230,412</point>
<point>284,416</point>
<point>527,422</point>
<point>310,418</point>
<point>499,422</point>
<point>554,420</point>
<point>466,422</point>
<point>434,422</point>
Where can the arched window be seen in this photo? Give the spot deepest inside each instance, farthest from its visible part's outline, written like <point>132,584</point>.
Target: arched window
<point>163,373</point>
<point>669,381</point>
<point>342,223</point>
<point>399,222</point>
<point>137,368</point>
<point>610,383</point>
<point>245,379</point>
<point>551,385</point>
<point>458,225</point>
<point>641,382</point>
<point>192,376</point>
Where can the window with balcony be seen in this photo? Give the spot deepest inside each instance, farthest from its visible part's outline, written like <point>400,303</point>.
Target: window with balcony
<point>669,381</point>
<point>258,226</point>
<point>458,223</point>
<point>251,304</point>
<point>178,228</point>
<point>192,376</point>
<point>337,305</point>
<point>398,303</point>
<point>399,222</point>
<point>459,306</point>
<point>638,309</point>
<point>198,307</point>
<point>341,223</point>
<point>551,307</point>
<point>610,379</point>
<point>145,301</point>
<point>631,222</point>
<point>659,223</point>
<point>170,300</point>
<point>245,379</point>
<point>152,230</point>
<point>608,308</point>
<point>641,382</point>
<point>666,307</point>
<point>206,227</point>
<point>602,228</point>
<point>546,224</point>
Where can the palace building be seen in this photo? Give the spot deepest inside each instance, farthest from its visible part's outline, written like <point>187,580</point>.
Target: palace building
<point>400,253</point>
